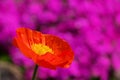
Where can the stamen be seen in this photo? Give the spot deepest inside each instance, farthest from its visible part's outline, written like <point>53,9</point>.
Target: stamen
<point>41,49</point>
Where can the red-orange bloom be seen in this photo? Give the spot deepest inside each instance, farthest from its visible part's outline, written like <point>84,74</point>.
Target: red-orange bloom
<point>44,49</point>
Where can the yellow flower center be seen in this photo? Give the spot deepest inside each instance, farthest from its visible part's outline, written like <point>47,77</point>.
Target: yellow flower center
<point>41,49</point>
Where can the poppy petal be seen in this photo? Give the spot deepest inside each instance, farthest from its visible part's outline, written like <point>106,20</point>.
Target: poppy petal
<point>25,50</point>
<point>60,47</point>
<point>45,64</point>
<point>29,36</point>
<point>52,59</point>
<point>14,42</point>
<point>22,34</point>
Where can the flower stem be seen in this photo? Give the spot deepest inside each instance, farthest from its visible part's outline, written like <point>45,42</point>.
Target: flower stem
<point>35,71</point>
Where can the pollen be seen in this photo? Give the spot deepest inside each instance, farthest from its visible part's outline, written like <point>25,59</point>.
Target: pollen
<point>41,49</point>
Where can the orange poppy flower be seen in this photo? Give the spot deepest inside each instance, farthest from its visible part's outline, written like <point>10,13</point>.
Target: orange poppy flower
<point>44,49</point>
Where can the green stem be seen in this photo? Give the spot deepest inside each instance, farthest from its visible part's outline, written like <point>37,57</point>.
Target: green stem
<point>35,71</point>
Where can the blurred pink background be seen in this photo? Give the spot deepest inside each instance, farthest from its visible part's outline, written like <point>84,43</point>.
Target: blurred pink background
<point>91,27</point>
